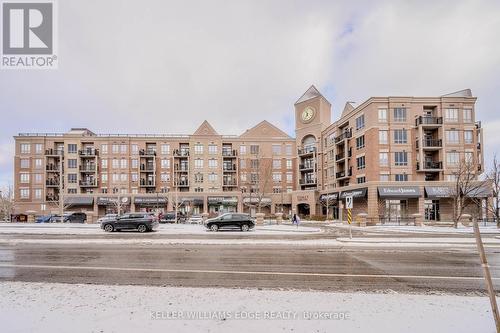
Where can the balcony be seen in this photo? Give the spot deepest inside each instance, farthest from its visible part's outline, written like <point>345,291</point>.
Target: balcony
<point>347,134</point>
<point>228,153</point>
<point>428,121</point>
<point>181,152</point>
<point>430,143</point>
<point>306,166</point>
<point>88,168</point>
<point>343,174</point>
<point>182,183</point>
<point>88,183</point>
<point>147,152</point>
<point>229,168</point>
<point>147,168</point>
<point>51,197</point>
<point>52,168</point>
<point>231,182</point>
<point>430,166</point>
<point>54,152</point>
<point>339,157</point>
<point>181,168</point>
<point>52,183</point>
<point>306,151</point>
<point>306,181</point>
<point>147,183</point>
<point>89,152</point>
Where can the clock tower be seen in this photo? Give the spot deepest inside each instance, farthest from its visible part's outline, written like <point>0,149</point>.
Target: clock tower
<point>312,116</point>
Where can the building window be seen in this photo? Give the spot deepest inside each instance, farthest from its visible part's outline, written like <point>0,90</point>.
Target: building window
<point>360,122</point>
<point>243,150</point>
<point>243,177</point>
<point>243,164</point>
<point>165,149</point>
<point>24,193</point>
<point>72,177</point>
<point>212,163</point>
<point>384,178</point>
<point>38,178</point>
<point>360,162</point>
<point>452,137</point>
<point>134,149</point>
<point>104,164</point>
<point>38,163</point>
<point>198,163</point>
<point>165,177</point>
<point>198,148</point>
<point>104,177</point>
<point>383,159</point>
<point>25,163</point>
<point>134,176</point>
<point>469,157</point>
<point>276,164</point>
<point>72,148</point>
<point>288,150</point>
<point>212,177</point>
<point>38,193</point>
<point>254,149</point>
<point>212,149</point>
<point>198,178</point>
<point>123,163</point>
<point>401,158</point>
<point>123,177</point>
<point>403,177</point>
<point>468,136</point>
<point>400,136</point>
<point>25,148</point>
<point>276,189</point>
<point>289,164</point>
<point>382,115</point>
<point>38,148</point>
<point>104,149</point>
<point>24,177</point>
<point>451,115</point>
<point>165,163</point>
<point>276,177</point>
<point>451,178</point>
<point>116,163</point>
<point>360,142</point>
<point>383,137</point>
<point>399,115</point>
<point>276,149</point>
<point>72,163</point>
<point>115,148</point>
<point>123,149</point>
<point>467,115</point>
<point>134,163</point>
<point>289,177</point>
<point>452,158</point>
<point>361,180</point>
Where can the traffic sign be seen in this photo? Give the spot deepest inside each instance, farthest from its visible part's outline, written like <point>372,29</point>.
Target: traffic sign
<point>348,202</point>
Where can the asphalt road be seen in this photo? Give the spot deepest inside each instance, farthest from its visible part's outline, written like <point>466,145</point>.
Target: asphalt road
<point>425,270</point>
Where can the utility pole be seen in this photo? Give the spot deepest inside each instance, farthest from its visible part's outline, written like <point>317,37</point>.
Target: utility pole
<point>487,275</point>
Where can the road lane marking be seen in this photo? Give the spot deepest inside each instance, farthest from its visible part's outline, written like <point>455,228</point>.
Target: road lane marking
<point>196,271</point>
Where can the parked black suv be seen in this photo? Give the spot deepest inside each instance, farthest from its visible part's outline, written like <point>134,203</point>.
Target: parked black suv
<point>244,222</point>
<point>76,218</point>
<point>141,222</point>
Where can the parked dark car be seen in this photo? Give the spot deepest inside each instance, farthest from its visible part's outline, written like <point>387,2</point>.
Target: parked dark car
<point>75,218</point>
<point>244,222</point>
<point>169,217</point>
<point>141,222</point>
<point>44,219</point>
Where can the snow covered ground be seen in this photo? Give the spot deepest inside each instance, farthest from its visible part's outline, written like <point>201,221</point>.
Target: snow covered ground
<point>164,229</point>
<point>40,307</point>
<point>423,229</point>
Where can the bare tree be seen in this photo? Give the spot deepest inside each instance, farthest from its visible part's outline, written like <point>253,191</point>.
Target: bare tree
<point>6,202</point>
<point>493,177</point>
<point>260,183</point>
<point>327,201</point>
<point>465,187</point>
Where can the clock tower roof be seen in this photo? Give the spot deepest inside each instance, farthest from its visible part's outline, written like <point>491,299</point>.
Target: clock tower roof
<point>311,93</point>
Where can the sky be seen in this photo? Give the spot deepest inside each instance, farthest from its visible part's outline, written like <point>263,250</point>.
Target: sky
<point>157,66</point>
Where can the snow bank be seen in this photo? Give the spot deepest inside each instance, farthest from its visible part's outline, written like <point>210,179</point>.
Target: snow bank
<point>38,307</point>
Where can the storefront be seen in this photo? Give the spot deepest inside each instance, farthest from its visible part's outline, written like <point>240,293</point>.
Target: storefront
<point>190,205</point>
<point>78,203</point>
<point>330,206</point>
<point>251,205</point>
<point>360,202</point>
<point>151,204</point>
<point>111,205</point>
<point>398,203</point>
<point>218,205</point>
<point>436,198</point>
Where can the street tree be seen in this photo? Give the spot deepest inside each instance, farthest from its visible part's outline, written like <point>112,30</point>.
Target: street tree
<point>6,202</point>
<point>493,177</point>
<point>259,185</point>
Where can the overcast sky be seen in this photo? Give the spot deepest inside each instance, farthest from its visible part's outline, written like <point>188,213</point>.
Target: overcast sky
<point>165,66</point>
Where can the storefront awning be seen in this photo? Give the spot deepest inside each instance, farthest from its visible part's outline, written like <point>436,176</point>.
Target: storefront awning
<point>106,201</point>
<point>436,192</point>
<point>481,191</point>
<point>329,197</point>
<point>80,201</point>
<point>227,201</point>
<point>399,192</point>
<point>357,193</point>
<point>150,200</point>
<point>190,200</point>
<point>254,200</point>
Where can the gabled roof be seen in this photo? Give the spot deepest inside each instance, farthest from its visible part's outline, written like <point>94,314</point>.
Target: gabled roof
<point>347,108</point>
<point>461,93</point>
<point>205,129</point>
<point>264,129</point>
<point>311,93</point>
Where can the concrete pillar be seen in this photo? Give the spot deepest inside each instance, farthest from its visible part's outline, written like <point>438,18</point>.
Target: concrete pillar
<point>419,221</point>
<point>373,203</point>
<point>273,208</point>
<point>279,218</point>
<point>205,204</point>
<point>361,217</point>
<point>259,218</point>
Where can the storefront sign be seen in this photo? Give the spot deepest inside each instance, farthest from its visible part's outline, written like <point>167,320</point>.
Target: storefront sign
<point>302,198</point>
<point>439,191</point>
<point>190,200</point>
<point>150,200</point>
<point>105,201</point>
<point>357,193</point>
<point>226,201</point>
<point>254,200</point>
<point>329,197</point>
<point>399,192</point>
<point>79,201</point>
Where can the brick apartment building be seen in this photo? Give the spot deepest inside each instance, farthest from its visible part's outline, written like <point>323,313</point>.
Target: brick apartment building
<point>395,155</point>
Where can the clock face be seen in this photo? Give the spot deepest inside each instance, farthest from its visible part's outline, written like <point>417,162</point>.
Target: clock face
<point>307,114</point>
